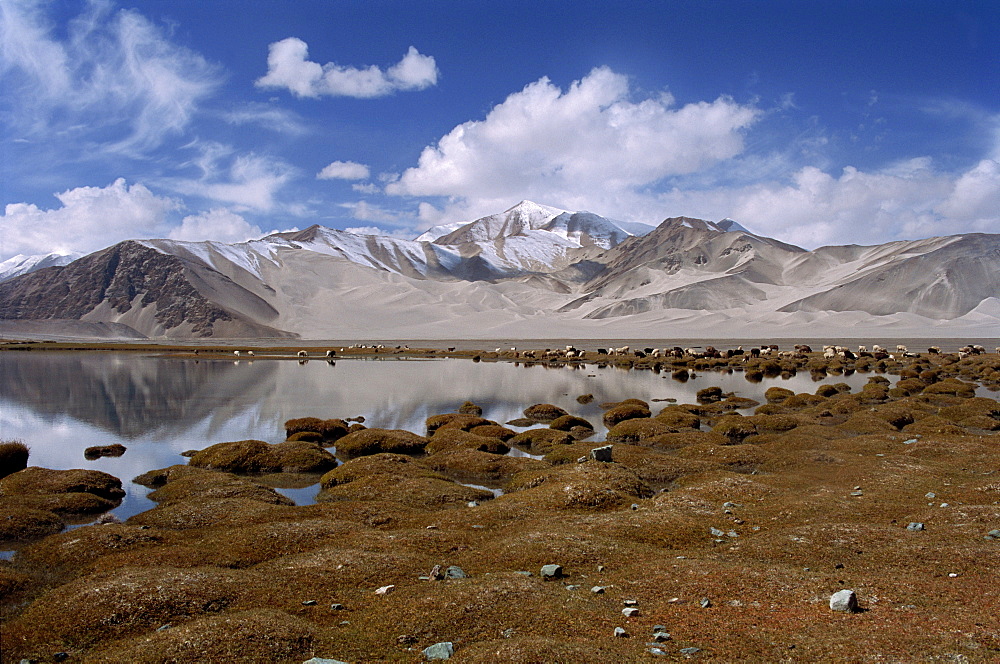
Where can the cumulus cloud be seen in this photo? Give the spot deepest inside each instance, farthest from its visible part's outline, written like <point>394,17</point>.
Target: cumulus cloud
<point>589,144</point>
<point>217,224</point>
<point>113,78</point>
<point>344,170</point>
<point>89,219</point>
<point>288,67</point>
<point>907,200</point>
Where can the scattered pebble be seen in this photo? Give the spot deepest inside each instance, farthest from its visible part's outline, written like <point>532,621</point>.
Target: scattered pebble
<point>635,506</point>
<point>163,628</point>
<point>930,494</point>
<point>472,503</point>
<point>385,590</point>
<point>706,602</point>
<point>660,636</point>
<point>715,532</point>
<point>993,535</point>
<point>659,652</point>
<point>690,651</point>
<point>630,612</point>
<point>915,526</point>
<point>336,607</point>
<point>323,660</point>
<point>597,590</point>
<point>630,602</point>
<point>455,572</point>
<point>621,633</point>
<point>309,602</point>
<point>844,600</point>
<point>857,492</point>
<point>953,575</point>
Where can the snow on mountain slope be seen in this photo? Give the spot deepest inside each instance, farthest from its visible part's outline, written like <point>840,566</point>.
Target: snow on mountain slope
<point>530,271</point>
<point>21,264</point>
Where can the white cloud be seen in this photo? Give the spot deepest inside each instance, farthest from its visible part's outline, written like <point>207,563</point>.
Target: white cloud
<point>588,147</point>
<point>217,224</point>
<point>907,200</point>
<point>288,67</point>
<point>114,79</point>
<point>344,170</point>
<point>276,119</point>
<point>90,218</point>
<point>366,188</point>
<point>364,211</point>
<point>398,233</point>
<point>250,182</point>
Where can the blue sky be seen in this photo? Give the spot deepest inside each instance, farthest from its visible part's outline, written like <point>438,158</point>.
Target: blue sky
<point>815,123</point>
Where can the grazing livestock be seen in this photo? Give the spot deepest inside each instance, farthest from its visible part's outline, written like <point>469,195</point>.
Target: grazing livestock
<point>302,353</point>
<point>235,352</point>
<point>934,350</point>
<point>250,353</point>
<point>331,353</point>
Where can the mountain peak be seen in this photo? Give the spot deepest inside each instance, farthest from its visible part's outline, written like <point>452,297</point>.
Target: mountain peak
<point>725,226</point>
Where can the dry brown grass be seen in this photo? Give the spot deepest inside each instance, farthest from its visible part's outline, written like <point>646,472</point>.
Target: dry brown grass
<point>228,563</point>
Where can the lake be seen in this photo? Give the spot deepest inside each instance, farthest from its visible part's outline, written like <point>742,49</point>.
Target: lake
<point>60,403</point>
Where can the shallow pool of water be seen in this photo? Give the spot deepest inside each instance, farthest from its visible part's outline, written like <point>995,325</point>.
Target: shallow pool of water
<point>157,407</point>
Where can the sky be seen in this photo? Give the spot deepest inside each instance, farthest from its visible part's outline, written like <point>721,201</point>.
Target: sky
<point>828,123</point>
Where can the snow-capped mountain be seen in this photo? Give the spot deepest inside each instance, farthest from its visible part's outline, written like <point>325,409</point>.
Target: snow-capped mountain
<point>530,271</point>
<point>21,264</point>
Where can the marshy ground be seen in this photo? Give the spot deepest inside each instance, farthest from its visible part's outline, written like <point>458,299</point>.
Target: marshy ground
<point>728,531</point>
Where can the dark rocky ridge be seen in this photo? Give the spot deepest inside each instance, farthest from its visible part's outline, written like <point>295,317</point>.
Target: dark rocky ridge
<point>123,277</point>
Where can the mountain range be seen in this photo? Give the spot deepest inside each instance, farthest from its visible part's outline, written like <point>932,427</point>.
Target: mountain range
<point>532,271</point>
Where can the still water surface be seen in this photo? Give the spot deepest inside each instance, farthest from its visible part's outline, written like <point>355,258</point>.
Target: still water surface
<point>157,407</point>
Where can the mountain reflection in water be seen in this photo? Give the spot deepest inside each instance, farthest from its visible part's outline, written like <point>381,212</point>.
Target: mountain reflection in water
<point>61,403</point>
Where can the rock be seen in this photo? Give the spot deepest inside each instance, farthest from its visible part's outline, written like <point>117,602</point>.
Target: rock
<point>715,532</point>
<point>385,590</point>
<point>915,526</point>
<point>690,651</point>
<point>602,453</point>
<point>443,650</point>
<point>336,607</point>
<point>552,571</point>
<point>309,602</point>
<point>660,636</point>
<point>323,660</point>
<point>597,590</point>
<point>706,602</point>
<point>630,602</point>
<point>98,451</point>
<point>630,612</point>
<point>844,600</point>
<point>621,633</point>
<point>455,572</point>
<point>993,535</point>
<point>572,587</point>
<point>658,652</point>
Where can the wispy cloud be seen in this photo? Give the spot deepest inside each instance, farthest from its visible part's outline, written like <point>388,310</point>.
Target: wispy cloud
<point>113,80</point>
<point>246,181</point>
<point>288,67</point>
<point>275,119</point>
